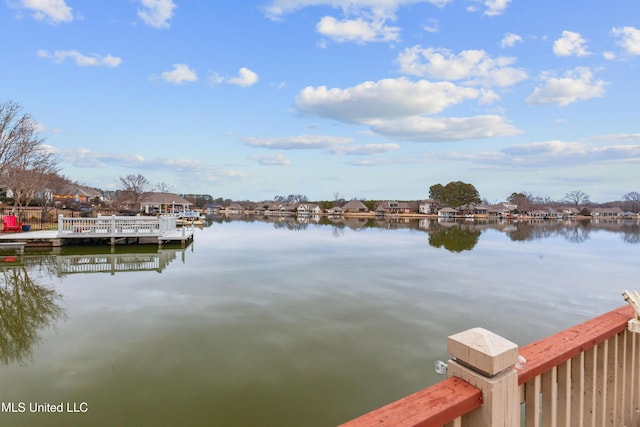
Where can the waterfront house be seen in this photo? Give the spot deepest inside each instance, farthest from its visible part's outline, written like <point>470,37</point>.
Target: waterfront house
<point>75,194</point>
<point>548,213</point>
<point>406,208</point>
<point>569,211</point>
<point>389,207</point>
<point>505,209</point>
<point>234,209</point>
<point>213,208</point>
<point>308,209</point>
<point>428,207</point>
<point>335,211</point>
<point>447,212</point>
<point>160,203</point>
<point>280,209</point>
<point>481,210</point>
<point>355,206</point>
<point>607,212</point>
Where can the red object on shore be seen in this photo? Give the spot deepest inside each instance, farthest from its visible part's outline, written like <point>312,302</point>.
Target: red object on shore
<point>11,225</point>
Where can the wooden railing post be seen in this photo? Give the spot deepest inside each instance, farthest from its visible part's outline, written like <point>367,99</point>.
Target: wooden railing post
<point>485,360</point>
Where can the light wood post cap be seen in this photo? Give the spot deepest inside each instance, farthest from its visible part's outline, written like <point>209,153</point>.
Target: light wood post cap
<point>483,350</point>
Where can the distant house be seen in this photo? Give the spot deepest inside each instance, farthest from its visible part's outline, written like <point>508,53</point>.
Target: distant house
<point>508,206</point>
<point>607,212</point>
<point>74,193</point>
<point>405,208</point>
<point>428,207</point>
<point>233,209</point>
<point>481,210</point>
<point>160,203</point>
<point>280,209</point>
<point>546,213</point>
<point>389,207</point>
<point>538,213</point>
<point>307,209</point>
<point>569,211</point>
<point>355,206</point>
<point>447,212</point>
<point>334,211</point>
<point>213,208</point>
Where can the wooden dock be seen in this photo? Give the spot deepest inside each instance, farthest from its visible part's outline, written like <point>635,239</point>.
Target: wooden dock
<point>110,229</point>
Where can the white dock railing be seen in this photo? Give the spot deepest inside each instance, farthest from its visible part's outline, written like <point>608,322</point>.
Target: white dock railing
<point>116,226</point>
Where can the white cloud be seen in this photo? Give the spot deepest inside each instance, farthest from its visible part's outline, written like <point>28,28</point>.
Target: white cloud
<point>245,78</point>
<point>491,7</point>
<point>566,153</point>
<point>357,30</point>
<point>629,39</point>
<point>276,9</point>
<point>367,149</point>
<point>397,108</point>
<point>363,21</point>
<point>510,40</point>
<point>193,170</point>
<point>469,66</point>
<point>432,26</point>
<point>331,144</point>
<point>95,60</point>
<point>545,147</point>
<point>42,128</point>
<point>608,55</point>
<point>156,13</point>
<point>554,153</point>
<point>181,73</point>
<point>495,7</point>
<point>302,142</point>
<point>570,44</point>
<point>428,129</point>
<point>52,11</point>
<point>271,159</point>
<point>619,137</point>
<point>85,158</point>
<point>576,85</point>
<point>388,98</point>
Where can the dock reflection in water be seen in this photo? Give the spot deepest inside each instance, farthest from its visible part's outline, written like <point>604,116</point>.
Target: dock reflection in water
<point>115,263</point>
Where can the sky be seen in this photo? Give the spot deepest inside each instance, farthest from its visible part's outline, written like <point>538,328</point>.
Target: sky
<point>376,99</point>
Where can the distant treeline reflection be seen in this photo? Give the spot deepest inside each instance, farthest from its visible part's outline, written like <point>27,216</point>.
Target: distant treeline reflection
<point>458,235</point>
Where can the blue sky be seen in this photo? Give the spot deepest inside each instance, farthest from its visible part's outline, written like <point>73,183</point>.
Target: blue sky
<point>376,99</point>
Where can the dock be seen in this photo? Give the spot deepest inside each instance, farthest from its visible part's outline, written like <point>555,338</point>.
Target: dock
<point>109,229</point>
<point>17,246</point>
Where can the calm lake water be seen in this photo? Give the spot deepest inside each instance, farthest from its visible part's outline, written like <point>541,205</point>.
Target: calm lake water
<point>285,324</point>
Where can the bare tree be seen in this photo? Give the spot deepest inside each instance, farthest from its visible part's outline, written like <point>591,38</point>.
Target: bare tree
<point>523,200</point>
<point>24,160</point>
<point>632,201</point>
<point>163,187</point>
<point>133,186</point>
<point>577,198</point>
<point>54,185</point>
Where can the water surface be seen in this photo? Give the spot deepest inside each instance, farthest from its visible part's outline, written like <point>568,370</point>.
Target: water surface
<point>286,324</point>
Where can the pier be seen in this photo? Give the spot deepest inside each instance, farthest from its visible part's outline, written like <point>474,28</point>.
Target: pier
<point>110,229</point>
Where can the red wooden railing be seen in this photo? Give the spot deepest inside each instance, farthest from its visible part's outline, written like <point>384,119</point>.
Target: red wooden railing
<point>437,405</point>
<point>588,374</point>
